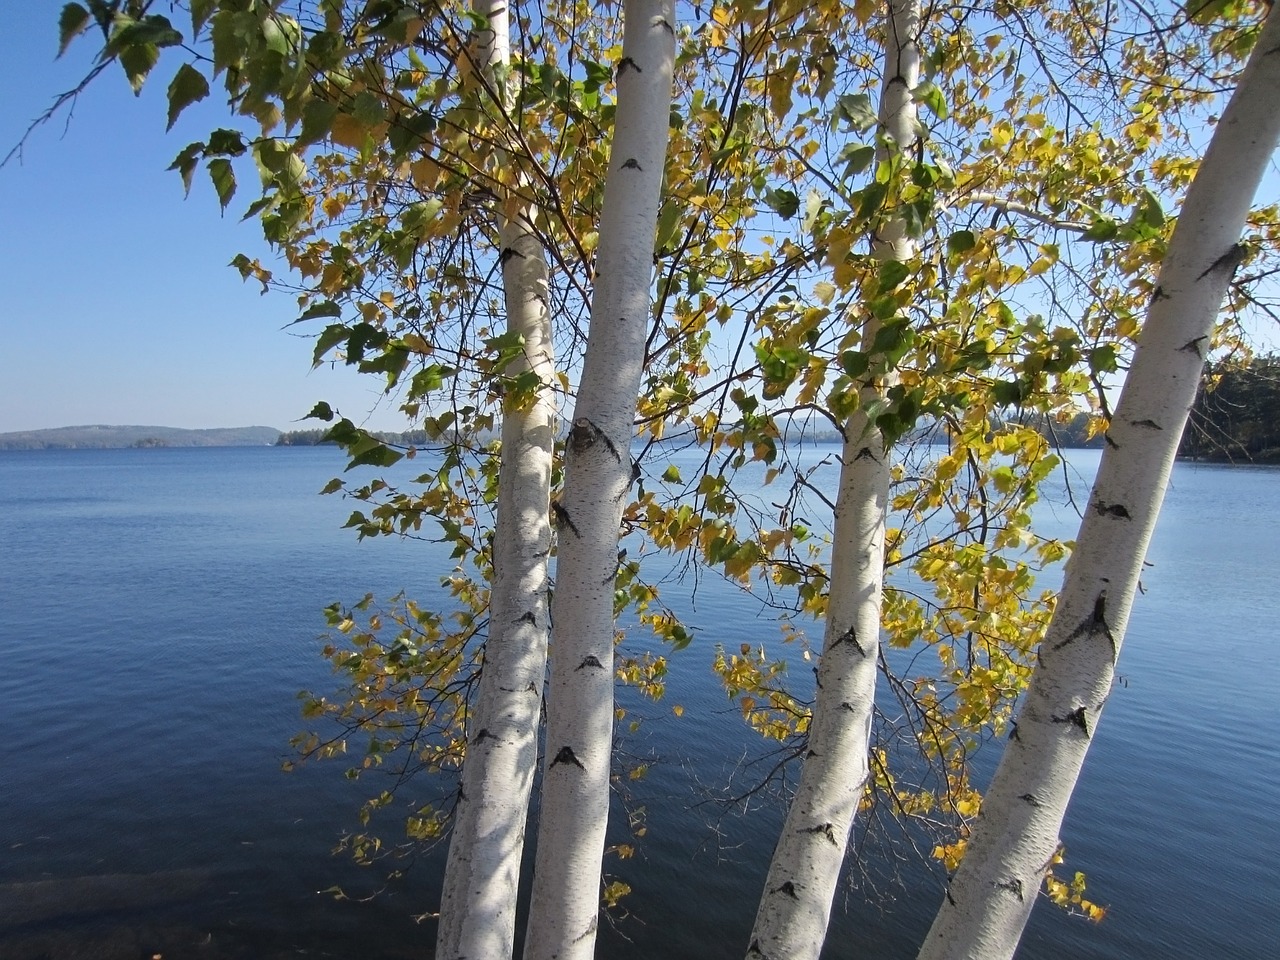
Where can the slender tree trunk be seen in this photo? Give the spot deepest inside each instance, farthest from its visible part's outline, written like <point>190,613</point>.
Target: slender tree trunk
<point>1016,833</point>
<point>794,910</point>
<point>478,903</point>
<point>598,474</point>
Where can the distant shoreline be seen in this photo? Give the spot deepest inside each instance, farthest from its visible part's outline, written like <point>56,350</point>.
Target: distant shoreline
<point>114,437</point>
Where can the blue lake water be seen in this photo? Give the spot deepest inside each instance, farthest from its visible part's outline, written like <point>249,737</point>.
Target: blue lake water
<point>159,609</point>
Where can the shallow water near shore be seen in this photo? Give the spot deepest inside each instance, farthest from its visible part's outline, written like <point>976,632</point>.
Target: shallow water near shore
<point>159,610</point>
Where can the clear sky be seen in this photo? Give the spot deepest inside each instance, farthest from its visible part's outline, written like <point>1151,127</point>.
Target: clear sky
<point>116,302</point>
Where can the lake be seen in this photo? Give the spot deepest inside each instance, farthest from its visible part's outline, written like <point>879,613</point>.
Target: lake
<point>160,609</point>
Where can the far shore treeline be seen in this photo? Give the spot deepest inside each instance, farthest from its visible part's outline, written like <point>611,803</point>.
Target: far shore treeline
<point>1236,419</point>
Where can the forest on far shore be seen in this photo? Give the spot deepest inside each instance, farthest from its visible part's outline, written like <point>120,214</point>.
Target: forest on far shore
<point>1236,417</point>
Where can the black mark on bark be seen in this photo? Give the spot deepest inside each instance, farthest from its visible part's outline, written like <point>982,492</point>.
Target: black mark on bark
<point>562,518</point>
<point>566,755</point>
<point>1193,346</point>
<point>1112,509</point>
<point>849,636</point>
<point>1228,262</point>
<point>1076,718</point>
<point>584,435</point>
<point>1014,886</point>
<point>590,661</point>
<point>826,829</point>
<point>1096,622</point>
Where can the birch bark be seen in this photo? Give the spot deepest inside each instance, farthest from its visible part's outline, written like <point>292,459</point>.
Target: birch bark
<point>791,921</point>
<point>478,901</point>
<point>598,473</point>
<point>990,898</point>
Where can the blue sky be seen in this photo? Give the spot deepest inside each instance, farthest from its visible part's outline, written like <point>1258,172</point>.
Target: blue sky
<point>116,301</point>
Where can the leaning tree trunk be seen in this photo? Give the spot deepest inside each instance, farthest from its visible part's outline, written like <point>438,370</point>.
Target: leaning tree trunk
<point>989,900</point>
<point>795,907</point>
<point>598,474</point>
<point>478,902</point>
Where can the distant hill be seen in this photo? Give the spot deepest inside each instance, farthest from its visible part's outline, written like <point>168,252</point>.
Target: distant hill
<point>102,436</point>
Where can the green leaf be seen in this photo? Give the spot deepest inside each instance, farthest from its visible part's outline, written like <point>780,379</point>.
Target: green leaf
<point>317,120</point>
<point>325,308</point>
<point>1101,230</point>
<point>1149,211</point>
<point>378,455</point>
<point>892,273</point>
<point>330,337</point>
<point>430,377</point>
<point>855,363</point>
<point>929,94</point>
<point>137,61</point>
<point>186,162</point>
<point>224,179</point>
<point>672,474</point>
<point>367,108</point>
<point>201,11</point>
<point>333,486</point>
<point>227,143</point>
<point>857,157</point>
<point>872,199</point>
<point>154,31</point>
<point>321,411</point>
<point>961,242</point>
<point>187,87</point>
<point>856,110</point>
<point>883,308</point>
<point>783,202</point>
<point>73,21</point>
<point>409,133</point>
<point>1008,393</point>
<point>1103,359</point>
<point>668,223</point>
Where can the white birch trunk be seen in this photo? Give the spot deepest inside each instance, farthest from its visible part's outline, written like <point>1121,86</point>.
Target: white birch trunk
<point>989,900</point>
<point>791,921</point>
<point>478,902</point>
<point>598,474</point>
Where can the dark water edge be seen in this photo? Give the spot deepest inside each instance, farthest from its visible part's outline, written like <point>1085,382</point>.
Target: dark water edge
<point>159,608</point>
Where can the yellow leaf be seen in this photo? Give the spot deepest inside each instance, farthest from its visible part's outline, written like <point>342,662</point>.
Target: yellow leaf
<point>347,131</point>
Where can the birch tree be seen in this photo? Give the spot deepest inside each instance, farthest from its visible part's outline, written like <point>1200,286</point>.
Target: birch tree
<point>478,902</point>
<point>1015,838</point>
<point>598,474</point>
<point>796,905</point>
